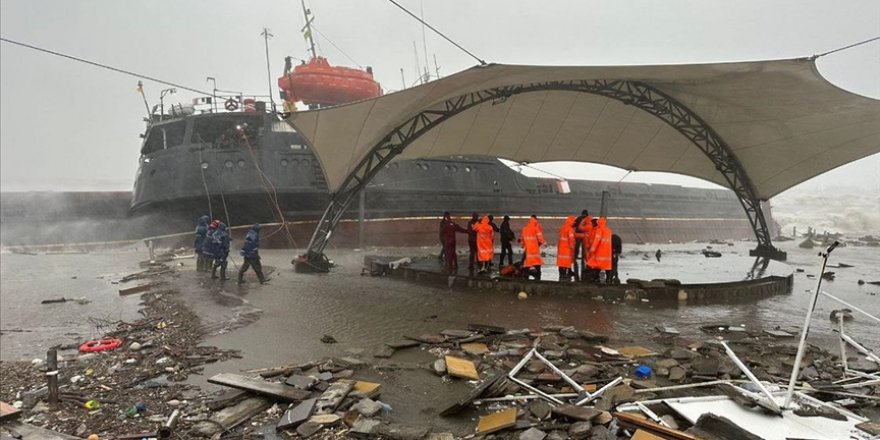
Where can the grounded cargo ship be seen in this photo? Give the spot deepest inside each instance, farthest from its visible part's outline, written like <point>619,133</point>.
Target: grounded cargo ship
<point>236,165</point>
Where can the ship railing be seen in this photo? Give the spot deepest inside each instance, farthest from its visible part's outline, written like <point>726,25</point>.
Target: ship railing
<point>238,103</point>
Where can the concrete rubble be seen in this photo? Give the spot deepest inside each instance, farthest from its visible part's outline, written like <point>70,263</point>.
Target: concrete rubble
<point>552,382</point>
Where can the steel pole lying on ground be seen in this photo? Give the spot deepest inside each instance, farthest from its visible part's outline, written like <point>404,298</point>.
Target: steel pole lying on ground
<point>802,344</point>
<point>748,373</point>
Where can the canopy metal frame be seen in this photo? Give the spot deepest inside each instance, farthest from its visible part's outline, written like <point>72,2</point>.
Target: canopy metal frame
<point>639,94</point>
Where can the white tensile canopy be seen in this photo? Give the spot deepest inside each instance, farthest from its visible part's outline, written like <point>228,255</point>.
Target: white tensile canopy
<point>781,119</point>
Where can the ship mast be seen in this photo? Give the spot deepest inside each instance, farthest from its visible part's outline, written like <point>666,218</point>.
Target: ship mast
<point>307,29</point>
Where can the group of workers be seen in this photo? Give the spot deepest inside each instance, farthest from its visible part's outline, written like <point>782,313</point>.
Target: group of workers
<point>583,236</point>
<point>212,250</point>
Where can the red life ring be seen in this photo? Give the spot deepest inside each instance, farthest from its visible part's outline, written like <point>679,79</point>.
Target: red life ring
<point>100,345</point>
<point>231,104</point>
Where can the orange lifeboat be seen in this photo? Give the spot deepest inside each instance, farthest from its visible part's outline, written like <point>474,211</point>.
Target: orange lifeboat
<point>319,83</point>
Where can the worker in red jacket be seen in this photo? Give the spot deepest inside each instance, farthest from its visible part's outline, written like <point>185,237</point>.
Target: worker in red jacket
<point>448,229</point>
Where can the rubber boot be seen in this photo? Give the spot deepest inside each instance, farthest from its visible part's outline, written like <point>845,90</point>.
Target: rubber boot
<point>214,271</point>
<point>223,276</point>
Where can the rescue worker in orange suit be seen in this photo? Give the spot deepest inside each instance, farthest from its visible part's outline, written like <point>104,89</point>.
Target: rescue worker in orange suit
<point>565,249</point>
<point>485,244</point>
<point>472,242</point>
<point>584,234</point>
<point>532,238</point>
<point>449,229</point>
<point>600,249</point>
<point>507,237</point>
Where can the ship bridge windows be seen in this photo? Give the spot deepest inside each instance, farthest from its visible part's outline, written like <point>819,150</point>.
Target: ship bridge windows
<point>164,136</point>
<point>222,131</point>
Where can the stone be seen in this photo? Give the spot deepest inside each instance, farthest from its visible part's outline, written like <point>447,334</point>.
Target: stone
<point>666,363</point>
<point>384,352</point>
<point>344,374</point>
<point>680,354</point>
<point>532,434</point>
<point>540,409</point>
<point>296,414</point>
<point>301,382</point>
<point>557,435</point>
<point>475,348</point>
<point>670,421</point>
<point>441,436</point>
<point>677,374</point>
<point>586,371</point>
<point>364,426</point>
<point>601,433</point>
<point>706,366</point>
<point>135,346</point>
<point>439,367</point>
<point>325,419</point>
<point>809,373</point>
<point>603,419</point>
<point>457,333</point>
<point>579,430</point>
<point>581,413</point>
<point>402,432</point>
<point>576,353</point>
<point>174,403</point>
<point>308,429</point>
<point>618,394</point>
<point>367,407</point>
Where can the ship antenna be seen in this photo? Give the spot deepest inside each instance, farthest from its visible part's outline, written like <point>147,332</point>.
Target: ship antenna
<point>266,34</point>
<point>307,29</point>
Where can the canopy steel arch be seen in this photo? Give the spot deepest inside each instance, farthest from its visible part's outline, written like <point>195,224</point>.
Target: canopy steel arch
<point>639,94</point>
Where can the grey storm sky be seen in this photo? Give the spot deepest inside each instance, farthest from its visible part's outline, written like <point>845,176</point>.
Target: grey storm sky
<point>71,126</point>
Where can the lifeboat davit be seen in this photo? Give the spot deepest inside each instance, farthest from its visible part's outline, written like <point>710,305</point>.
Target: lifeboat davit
<point>319,83</point>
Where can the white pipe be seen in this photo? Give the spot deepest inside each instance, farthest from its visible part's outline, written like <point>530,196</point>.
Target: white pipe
<point>575,386</point>
<point>851,306</point>
<point>861,348</point>
<point>751,377</point>
<point>842,342</point>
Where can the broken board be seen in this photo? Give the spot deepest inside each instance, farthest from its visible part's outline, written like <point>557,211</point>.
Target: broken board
<point>330,399</point>
<point>476,348</point>
<point>636,351</point>
<point>497,421</point>
<point>277,390</point>
<point>459,367</point>
<point>365,389</point>
<point>8,412</point>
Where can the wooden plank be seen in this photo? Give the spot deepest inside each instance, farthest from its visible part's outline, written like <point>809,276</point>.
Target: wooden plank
<point>8,412</point>
<point>459,367</point>
<point>277,390</point>
<point>645,435</point>
<point>636,351</point>
<point>497,421</point>
<point>139,288</point>
<point>476,348</point>
<point>365,389</point>
<point>331,398</point>
<point>232,416</point>
<point>640,422</point>
<point>226,398</point>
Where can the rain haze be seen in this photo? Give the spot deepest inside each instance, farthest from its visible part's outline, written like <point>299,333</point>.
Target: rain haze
<point>72,126</point>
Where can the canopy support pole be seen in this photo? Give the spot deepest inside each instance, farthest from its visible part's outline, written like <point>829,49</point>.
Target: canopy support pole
<point>641,95</point>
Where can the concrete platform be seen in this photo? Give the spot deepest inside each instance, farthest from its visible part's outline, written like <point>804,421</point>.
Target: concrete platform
<point>670,291</point>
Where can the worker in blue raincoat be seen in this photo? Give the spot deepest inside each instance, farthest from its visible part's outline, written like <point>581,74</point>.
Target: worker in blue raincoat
<point>250,251</point>
<point>221,251</point>
<point>201,232</point>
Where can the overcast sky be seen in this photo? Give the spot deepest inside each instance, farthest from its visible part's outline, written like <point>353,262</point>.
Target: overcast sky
<point>70,126</point>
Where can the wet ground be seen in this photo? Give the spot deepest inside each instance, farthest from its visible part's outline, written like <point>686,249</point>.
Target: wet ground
<point>284,321</point>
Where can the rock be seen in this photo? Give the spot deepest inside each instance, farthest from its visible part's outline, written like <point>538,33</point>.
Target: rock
<point>174,403</point>
<point>440,366</point>
<point>441,436</point>
<point>532,434</point>
<point>669,421</point>
<point>163,360</point>
<point>809,373</point>
<point>666,363</point>
<point>327,339</point>
<point>364,426</point>
<point>581,413</point>
<point>135,346</point>
<point>677,374</point>
<point>540,409</point>
<point>402,432</point>
<point>384,352</point>
<point>557,435</point>
<point>325,419</point>
<point>601,433</point>
<point>308,429</point>
<point>680,354</point>
<point>706,366</point>
<point>40,407</point>
<point>367,407</point>
<point>603,419</point>
<point>586,371</point>
<point>579,430</point>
